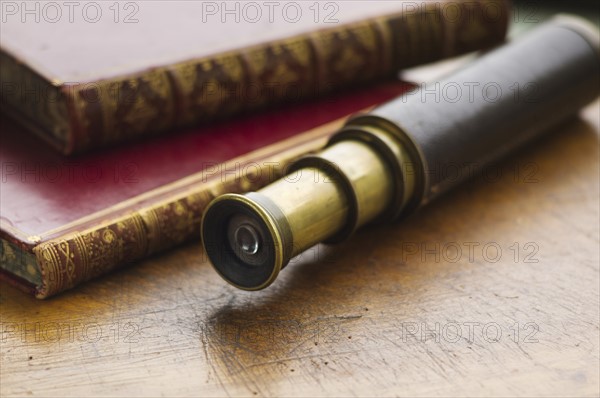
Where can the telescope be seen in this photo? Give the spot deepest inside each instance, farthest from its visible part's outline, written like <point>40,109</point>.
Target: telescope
<point>383,165</point>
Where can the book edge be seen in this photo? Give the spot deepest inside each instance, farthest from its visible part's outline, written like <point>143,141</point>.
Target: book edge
<point>49,105</point>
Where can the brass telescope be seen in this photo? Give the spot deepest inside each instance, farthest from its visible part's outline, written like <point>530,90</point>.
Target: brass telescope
<point>385,164</point>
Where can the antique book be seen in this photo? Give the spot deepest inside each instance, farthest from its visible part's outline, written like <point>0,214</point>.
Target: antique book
<point>85,75</point>
<point>67,220</point>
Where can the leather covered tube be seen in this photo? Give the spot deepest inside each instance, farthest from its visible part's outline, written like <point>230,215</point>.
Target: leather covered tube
<point>505,98</point>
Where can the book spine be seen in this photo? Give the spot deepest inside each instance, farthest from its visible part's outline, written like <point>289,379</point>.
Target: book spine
<point>153,101</point>
<point>78,256</point>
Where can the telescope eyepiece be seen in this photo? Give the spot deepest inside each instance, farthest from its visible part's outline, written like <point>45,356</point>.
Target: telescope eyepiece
<point>244,240</point>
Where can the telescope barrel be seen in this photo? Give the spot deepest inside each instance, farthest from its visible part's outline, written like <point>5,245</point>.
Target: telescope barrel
<point>384,164</point>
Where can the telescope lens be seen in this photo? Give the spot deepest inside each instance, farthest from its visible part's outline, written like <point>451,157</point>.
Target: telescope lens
<point>243,234</point>
<point>247,239</point>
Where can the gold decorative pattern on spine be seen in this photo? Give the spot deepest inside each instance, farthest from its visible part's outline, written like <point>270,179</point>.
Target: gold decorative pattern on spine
<point>347,54</point>
<point>280,71</point>
<point>121,109</point>
<point>78,257</point>
<point>208,88</point>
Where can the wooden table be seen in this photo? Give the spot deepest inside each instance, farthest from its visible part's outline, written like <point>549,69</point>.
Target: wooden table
<point>492,290</point>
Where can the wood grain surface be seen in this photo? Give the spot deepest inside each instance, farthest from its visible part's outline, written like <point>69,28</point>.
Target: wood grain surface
<point>491,291</point>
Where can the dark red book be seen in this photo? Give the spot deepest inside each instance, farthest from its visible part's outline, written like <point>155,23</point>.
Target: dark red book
<point>101,73</point>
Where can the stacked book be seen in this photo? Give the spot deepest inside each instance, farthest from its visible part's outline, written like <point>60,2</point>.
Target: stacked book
<point>121,122</point>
